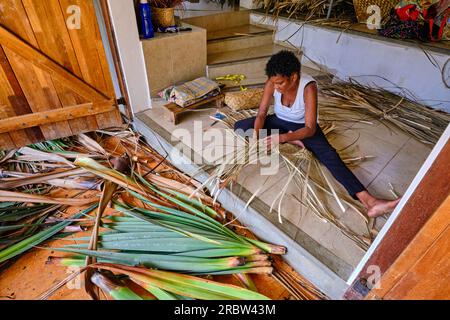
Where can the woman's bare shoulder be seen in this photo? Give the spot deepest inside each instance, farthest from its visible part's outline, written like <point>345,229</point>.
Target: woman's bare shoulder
<point>269,87</point>
<point>311,87</point>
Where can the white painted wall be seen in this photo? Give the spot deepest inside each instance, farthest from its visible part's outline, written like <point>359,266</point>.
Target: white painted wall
<point>131,54</point>
<point>107,46</point>
<point>203,8</point>
<point>346,55</point>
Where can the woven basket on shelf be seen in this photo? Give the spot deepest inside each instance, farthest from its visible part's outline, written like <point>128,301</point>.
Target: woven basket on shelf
<point>362,5</point>
<point>163,17</point>
<point>241,100</point>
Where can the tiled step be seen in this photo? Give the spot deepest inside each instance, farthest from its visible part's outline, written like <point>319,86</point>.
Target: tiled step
<point>250,62</point>
<point>253,70</point>
<point>221,21</point>
<point>247,54</point>
<point>255,75</point>
<point>240,42</point>
<point>237,31</point>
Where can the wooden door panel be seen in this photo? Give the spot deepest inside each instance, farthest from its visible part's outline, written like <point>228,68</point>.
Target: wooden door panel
<point>429,277</point>
<point>10,104</point>
<point>422,271</point>
<point>14,18</point>
<point>55,69</point>
<point>49,27</point>
<point>40,93</point>
<point>88,46</point>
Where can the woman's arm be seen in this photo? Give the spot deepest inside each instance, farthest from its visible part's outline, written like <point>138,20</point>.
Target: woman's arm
<point>263,107</point>
<point>310,97</point>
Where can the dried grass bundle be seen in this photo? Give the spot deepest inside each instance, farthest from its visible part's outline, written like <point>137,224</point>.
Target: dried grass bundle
<point>354,102</point>
<point>307,9</point>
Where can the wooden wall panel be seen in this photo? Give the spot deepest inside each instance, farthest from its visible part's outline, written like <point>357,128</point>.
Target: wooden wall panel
<point>12,104</point>
<point>49,27</point>
<point>15,24</point>
<point>15,19</point>
<point>40,92</point>
<point>423,270</point>
<point>50,67</point>
<point>88,45</point>
<point>6,109</point>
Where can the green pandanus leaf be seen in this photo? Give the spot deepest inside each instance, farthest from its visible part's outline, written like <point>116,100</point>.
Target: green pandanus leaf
<point>195,203</point>
<point>107,173</point>
<point>170,245</point>
<point>246,281</point>
<point>160,294</point>
<point>192,205</point>
<point>110,287</point>
<point>180,230</point>
<point>201,220</point>
<point>189,286</point>
<point>166,262</point>
<point>39,237</point>
<point>167,285</point>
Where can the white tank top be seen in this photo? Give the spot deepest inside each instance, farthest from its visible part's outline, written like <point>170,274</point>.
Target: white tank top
<point>295,113</point>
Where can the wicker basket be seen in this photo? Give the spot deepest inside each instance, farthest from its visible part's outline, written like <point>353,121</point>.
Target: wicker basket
<point>241,100</point>
<point>163,17</point>
<point>362,5</point>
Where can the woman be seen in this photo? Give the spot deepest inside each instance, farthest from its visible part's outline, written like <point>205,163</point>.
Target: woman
<point>295,118</point>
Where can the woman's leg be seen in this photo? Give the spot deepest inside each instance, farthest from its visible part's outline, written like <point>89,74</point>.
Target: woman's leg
<point>248,124</point>
<point>245,124</point>
<point>327,155</point>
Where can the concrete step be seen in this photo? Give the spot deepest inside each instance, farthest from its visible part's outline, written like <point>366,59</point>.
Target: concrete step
<point>257,77</point>
<point>250,62</point>
<point>246,54</point>
<point>252,69</point>
<point>240,42</point>
<point>238,31</point>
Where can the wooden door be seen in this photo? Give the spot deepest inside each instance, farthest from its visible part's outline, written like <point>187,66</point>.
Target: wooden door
<point>54,75</point>
<point>422,271</point>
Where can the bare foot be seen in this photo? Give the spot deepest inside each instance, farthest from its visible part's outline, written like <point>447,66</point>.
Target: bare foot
<point>298,143</point>
<point>380,207</point>
<point>376,207</point>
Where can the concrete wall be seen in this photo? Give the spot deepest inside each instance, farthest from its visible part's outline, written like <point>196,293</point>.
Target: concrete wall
<point>369,60</point>
<point>124,22</point>
<point>175,58</point>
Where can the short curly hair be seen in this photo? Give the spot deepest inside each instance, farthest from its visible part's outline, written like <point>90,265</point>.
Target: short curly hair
<point>283,63</point>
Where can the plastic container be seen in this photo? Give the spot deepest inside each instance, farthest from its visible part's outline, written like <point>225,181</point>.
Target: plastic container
<point>146,20</point>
